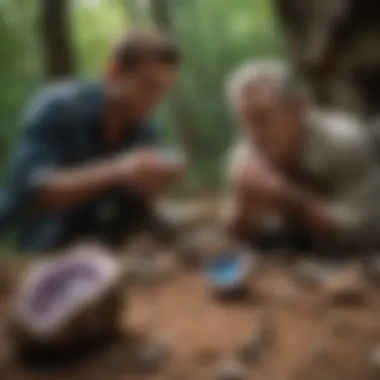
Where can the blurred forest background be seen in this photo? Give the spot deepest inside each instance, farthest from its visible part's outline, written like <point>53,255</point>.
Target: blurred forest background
<point>43,40</point>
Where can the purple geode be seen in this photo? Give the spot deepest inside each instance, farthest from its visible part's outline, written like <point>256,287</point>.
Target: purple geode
<point>57,282</point>
<point>57,291</point>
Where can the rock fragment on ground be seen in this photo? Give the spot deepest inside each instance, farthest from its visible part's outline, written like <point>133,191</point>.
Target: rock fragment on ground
<point>346,286</point>
<point>68,300</point>
<point>230,370</point>
<point>311,273</point>
<point>153,355</point>
<point>252,351</point>
<point>374,358</point>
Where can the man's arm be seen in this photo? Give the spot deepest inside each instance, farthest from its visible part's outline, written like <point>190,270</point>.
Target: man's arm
<point>42,184</point>
<point>329,219</point>
<point>242,213</point>
<point>342,217</point>
<point>143,170</point>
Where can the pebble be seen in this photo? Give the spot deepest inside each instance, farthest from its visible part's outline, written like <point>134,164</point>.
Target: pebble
<point>373,268</point>
<point>287,295</point>
<point>153,355</point>
<point>346,287</point>
<point>375,356</point>
<point>320,350</point>
<point>149,269</point>
<point>252,352</point>
<point>207,355</point>
<point>189,253</point>
<point>230,370</point>
<point>311,273</point>
<point>115,358</point>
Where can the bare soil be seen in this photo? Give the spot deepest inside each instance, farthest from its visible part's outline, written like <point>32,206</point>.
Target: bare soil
<point>306,334</point>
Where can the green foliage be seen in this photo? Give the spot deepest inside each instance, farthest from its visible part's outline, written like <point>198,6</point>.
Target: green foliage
<point>96,25</point>
<point>215,35</point>
<point>19,65</point>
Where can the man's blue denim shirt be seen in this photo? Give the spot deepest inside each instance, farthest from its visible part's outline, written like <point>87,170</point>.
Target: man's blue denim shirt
<point>64,127</point>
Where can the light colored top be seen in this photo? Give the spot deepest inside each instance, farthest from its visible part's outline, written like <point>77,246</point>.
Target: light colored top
<point>340,166</point>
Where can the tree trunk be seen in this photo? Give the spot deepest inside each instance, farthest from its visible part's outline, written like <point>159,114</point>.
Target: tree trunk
<point>181,114</point>
<point>336,45</point>
<point>55,35</point>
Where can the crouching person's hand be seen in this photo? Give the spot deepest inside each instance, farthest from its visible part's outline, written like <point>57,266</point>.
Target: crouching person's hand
<point>150,171</point>
<point>256,182</point>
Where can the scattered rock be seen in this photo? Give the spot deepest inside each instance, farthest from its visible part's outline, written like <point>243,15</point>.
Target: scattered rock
<point>320,350</point>
<point>165,230</point>
<point>375,357</point>
<point>372,268</point>
<point>115,358</point>
<point>287,295</point>
<point>190,253</point>
<point>207,355</point>
<point>150,269</point>
<point>139,269</point>
<point>346,287</point>
<point>311,273</point>
<point>49,316</point>
<point>153,355</point>
<point>252,352</point>
<point>268,331</point>
<point>230,370</point>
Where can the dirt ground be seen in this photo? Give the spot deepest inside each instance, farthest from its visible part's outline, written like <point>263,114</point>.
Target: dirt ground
<point>285,327</point>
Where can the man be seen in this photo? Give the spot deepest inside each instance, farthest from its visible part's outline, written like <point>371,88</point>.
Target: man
<point>313,169</point>
<point>85,166</point>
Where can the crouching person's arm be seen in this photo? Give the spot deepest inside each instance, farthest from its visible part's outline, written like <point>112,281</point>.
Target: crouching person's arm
<point>41,181</point>
<point>246,173</point>
<point>258,187</point>
<point>343,221</point>
<point>144,170</point>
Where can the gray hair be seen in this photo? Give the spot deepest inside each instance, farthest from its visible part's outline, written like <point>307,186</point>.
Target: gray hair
<point>274,73</point>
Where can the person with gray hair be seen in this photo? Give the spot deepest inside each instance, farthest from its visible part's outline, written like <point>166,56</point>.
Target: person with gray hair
<point>311,168</point>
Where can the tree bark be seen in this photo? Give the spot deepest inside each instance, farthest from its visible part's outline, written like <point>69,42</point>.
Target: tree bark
<point>336,45</point>
<point>56,41</point>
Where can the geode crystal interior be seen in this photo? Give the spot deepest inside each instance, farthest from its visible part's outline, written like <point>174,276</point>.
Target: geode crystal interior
<point>55,292</point>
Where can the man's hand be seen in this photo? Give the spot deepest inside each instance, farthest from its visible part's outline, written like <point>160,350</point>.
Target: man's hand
<point>147,170</point>
<point>261,184</point>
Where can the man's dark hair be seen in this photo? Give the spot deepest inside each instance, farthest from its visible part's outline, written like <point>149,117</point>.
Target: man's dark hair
<point>143,45</point>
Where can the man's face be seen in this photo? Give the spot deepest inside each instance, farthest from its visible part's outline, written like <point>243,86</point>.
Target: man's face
<point>143,88</point>
<point>271,123</point>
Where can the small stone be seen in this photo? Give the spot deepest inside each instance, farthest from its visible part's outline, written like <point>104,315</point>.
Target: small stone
<point>372,268</point>
<point>375,356</point>
<point>320,350</point>
<point>230,370</point>
<point>207,355</point>
<point>189,253</point>
<point>153,355</point>
<point>287,295</point>
<point>346,287</point>
<point>252,352</point>
<point>150,269</point>
<point>114,359</point>
<point>311,273</point>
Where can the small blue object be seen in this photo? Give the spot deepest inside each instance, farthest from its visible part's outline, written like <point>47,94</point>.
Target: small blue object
<point>228,271</point>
